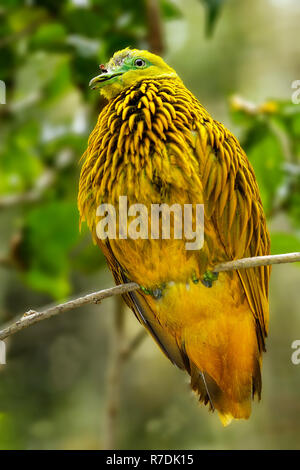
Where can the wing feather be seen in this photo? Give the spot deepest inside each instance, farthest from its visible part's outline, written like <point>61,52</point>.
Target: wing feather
<point>237,215</point>
<point>137,303</point>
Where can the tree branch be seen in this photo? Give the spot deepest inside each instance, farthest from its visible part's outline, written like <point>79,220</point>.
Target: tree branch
<point>155,33</point>
<point>134,344</point>
<point>258,261</point>
<point>114,379</point>
<point>31,317</point>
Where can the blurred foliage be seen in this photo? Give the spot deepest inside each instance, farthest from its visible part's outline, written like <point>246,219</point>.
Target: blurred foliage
<point>213,9</point>
<point>271,138</point>
<point>49,50</point>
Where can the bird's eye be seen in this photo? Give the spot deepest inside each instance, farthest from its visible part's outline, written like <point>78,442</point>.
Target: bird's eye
<point>139,63</point>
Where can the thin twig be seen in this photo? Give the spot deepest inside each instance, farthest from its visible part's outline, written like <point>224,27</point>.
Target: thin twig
<point>114,379</point>
<point>155,33</point>
<point>31,317</point>
<point>258,261</point>
<point>134,344</point>
<point>119,355</point>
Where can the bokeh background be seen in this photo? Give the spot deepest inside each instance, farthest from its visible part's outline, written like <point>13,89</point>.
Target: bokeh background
<point>67,383</point>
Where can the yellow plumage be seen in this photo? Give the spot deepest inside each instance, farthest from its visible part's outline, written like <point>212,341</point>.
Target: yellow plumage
<point>155,143</point>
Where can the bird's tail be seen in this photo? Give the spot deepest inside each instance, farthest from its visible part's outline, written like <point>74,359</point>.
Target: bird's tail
<point>225,371</point>
<point>227,406</point>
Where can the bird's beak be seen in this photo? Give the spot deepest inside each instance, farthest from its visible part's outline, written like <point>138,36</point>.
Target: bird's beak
<point>100,80</point>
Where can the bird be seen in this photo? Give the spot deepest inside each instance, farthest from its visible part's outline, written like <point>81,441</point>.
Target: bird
<point>156,144</point>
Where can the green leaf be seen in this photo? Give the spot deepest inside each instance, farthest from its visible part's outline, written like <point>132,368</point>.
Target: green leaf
<point>19,163</point>
<point>282,242</point>
<point>8,435</point>
<point>293,204</point>
<point>85,22</point>
<point>169,10</point>
<point>296,124</point>
<point>49,34</point>
<point>50,233</point>
<point>40,70</point>
<point>213,9</point>
<point>267,159</point>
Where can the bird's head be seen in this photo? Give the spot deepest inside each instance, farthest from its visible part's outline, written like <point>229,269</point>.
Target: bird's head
<point>127,67</point>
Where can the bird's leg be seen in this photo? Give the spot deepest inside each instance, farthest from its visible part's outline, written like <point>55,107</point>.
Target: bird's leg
<point>208,278</point>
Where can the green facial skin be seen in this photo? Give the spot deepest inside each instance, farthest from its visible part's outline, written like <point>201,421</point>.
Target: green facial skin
<point>114,73</point>
<point>128,67</point>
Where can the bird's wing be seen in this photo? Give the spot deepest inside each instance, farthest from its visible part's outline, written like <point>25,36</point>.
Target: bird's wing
<point>137,303</point>
<point>233,205</point>
<point>200,381</point>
